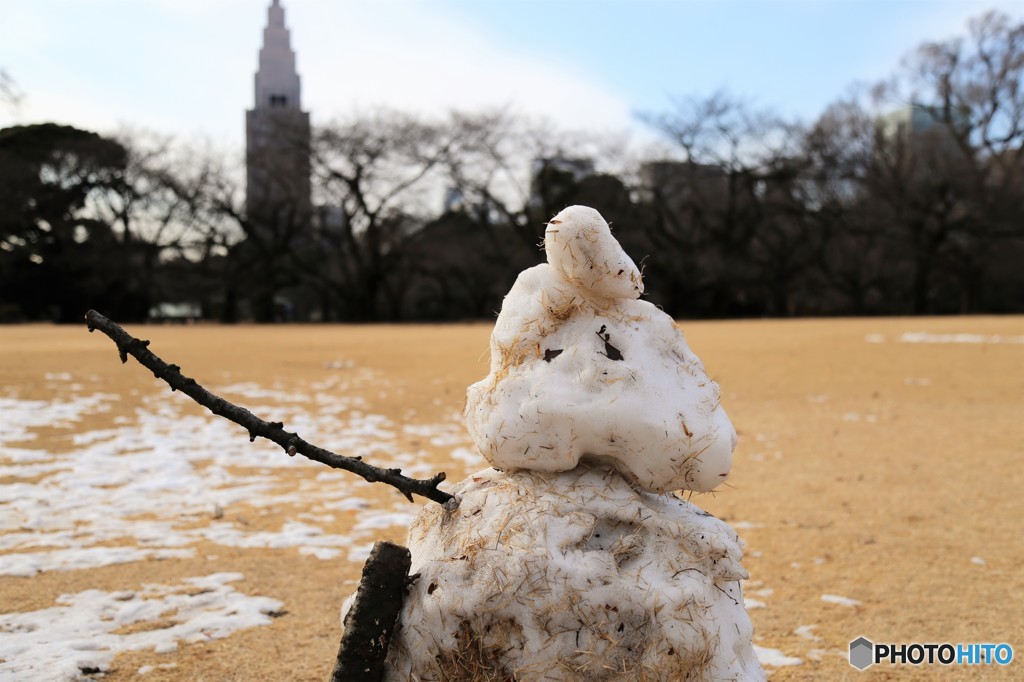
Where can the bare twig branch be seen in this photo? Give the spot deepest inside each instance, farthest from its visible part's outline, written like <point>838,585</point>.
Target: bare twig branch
<point>273,431</point>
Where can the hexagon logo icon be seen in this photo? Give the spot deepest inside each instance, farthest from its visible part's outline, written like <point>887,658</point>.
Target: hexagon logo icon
<point>862,653</point>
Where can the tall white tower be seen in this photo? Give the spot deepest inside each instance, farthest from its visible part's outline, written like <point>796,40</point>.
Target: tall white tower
<point>277,81</point>
<point>277,133</point>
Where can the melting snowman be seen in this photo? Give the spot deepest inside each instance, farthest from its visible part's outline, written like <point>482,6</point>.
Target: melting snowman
<point>567,560</point>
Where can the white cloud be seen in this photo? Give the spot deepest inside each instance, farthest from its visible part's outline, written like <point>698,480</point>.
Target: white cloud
<point>417,58</point>
<point>186,66</point>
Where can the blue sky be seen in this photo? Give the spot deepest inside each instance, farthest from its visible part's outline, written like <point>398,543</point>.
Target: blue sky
<point>185,66</point>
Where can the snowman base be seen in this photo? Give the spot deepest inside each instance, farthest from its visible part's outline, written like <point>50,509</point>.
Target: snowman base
<point>571,576</point>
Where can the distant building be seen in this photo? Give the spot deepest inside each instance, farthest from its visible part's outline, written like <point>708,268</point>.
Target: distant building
<point>916,127</point>
<point>678,181</point>
<point>277,134</point>
<point>550,174</point>
<point>182,311</point>
<point>910,120</point>
<point>454,200</point>
<point>578,167</point>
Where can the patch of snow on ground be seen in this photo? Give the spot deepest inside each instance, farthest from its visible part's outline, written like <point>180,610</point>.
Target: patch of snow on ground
<point>807,632</point>
<point>253,390</point>
<point>842,601</point>
<point>28,564</point>
<point>774,658</point>
<point>819,654</point>
<point>161,481</point>
<point>22,416</point>
<point>470,457</point>
<point>81,633</point>
<point>134,492</point>
<point>925,337</point>
<point>370,522</point>
<point>439,435</point>
<point>749,595</point>
<point>361,553</point>
<point>322,553</point>
<point>292,534</point>
<point>746,525</point>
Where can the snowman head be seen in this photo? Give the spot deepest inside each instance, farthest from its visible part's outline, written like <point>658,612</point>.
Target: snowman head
<point>582,371</point>
<point>580,246</point>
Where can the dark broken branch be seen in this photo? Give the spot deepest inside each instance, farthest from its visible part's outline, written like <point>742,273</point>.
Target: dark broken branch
<point>371,619</point>
<point>273,431</point>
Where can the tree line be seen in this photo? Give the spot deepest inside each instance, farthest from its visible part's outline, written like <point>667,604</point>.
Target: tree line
<point>906,197</point>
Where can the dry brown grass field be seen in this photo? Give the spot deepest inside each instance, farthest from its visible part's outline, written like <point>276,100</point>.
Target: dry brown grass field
<point>874,464</point>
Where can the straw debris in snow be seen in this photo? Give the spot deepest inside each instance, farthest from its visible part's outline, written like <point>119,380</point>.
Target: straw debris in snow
<point>581,370</point>
<point>571,576</point>
<point>566,562</point>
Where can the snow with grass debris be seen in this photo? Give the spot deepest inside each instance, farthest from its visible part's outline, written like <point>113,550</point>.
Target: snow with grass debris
<point>570,576</point>
<point>568,561</point>
<point>580,369</point>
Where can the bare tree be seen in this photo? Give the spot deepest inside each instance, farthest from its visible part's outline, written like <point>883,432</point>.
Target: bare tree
<point>10,95</point>
<point>169,212</point>
<point>506,175</point>
<point>377,177</point>
<point>839,150</point>
<point>951,178</point>
<point>731,211</point>
<point>503,167</point>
